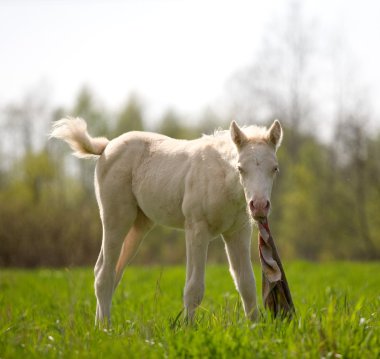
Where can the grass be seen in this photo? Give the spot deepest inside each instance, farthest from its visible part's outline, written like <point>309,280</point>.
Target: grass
<point>50,313</point>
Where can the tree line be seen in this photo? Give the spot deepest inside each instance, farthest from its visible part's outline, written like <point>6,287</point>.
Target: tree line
<point>326,200</point>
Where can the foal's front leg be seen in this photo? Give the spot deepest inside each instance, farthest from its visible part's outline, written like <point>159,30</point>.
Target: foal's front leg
<point>238,249</point>
<point>197,241</point>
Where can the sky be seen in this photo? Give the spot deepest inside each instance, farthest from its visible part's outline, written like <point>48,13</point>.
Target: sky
<point>174,53</point>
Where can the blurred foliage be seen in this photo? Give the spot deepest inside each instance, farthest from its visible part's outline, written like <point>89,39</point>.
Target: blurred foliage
<point>326,200</point>
<point>130,117</point>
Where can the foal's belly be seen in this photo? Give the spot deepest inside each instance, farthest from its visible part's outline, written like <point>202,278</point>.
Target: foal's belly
<point>159,203</point>
<point>158,185</point>
<point>163,213</point>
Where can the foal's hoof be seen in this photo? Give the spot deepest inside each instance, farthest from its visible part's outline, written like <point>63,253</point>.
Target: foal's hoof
<point>103,323</point>
<point>254,315</point>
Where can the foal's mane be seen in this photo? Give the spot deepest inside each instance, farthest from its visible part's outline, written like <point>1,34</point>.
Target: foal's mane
<point>253,132</point>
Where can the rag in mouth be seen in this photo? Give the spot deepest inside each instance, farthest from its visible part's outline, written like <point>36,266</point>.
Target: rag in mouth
<point>275,289</point>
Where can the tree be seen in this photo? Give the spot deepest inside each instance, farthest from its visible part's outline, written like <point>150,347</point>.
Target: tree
<point>353,117</point>
<point>210,121</point>
<point>26,124</point>
<point>172,125</point>
<point>279,84</point>
<point>353,144</point>
<point>130,117</point>
<point>87,107</point>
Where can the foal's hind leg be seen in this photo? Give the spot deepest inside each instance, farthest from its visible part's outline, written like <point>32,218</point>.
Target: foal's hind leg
<point>118,215</point>
<point>132,241</point>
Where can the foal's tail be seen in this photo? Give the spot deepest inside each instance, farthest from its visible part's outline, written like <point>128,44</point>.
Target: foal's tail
<point>74,132</point>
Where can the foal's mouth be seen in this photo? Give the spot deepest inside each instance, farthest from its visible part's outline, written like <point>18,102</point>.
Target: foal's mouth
<point>259,218</point>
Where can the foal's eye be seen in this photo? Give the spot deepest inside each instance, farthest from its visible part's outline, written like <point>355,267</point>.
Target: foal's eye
<point>276,169</point>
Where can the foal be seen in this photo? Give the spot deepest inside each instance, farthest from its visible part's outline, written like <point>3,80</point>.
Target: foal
<point>210,186</point>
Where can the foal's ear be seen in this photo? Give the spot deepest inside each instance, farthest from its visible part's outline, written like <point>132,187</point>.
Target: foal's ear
<point>275,134</point>
<point>237,135</point>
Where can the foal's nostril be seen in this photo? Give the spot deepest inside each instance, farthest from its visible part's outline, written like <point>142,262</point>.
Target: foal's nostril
<point>251,206</point>
<point>267,206</point>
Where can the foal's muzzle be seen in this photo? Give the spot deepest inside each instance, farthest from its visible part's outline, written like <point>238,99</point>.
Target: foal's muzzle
<point>259,208</point>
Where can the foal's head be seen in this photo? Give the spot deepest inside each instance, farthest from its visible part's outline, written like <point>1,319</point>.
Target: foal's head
<point>257,164</point>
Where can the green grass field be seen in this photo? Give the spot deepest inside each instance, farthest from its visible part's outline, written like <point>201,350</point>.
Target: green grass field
<point>50,313</point>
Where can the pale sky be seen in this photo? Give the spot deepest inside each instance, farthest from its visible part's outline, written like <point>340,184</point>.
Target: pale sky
<point>174,53</point>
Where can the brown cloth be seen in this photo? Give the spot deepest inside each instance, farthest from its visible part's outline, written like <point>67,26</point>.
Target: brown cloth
<point>275,288</point>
